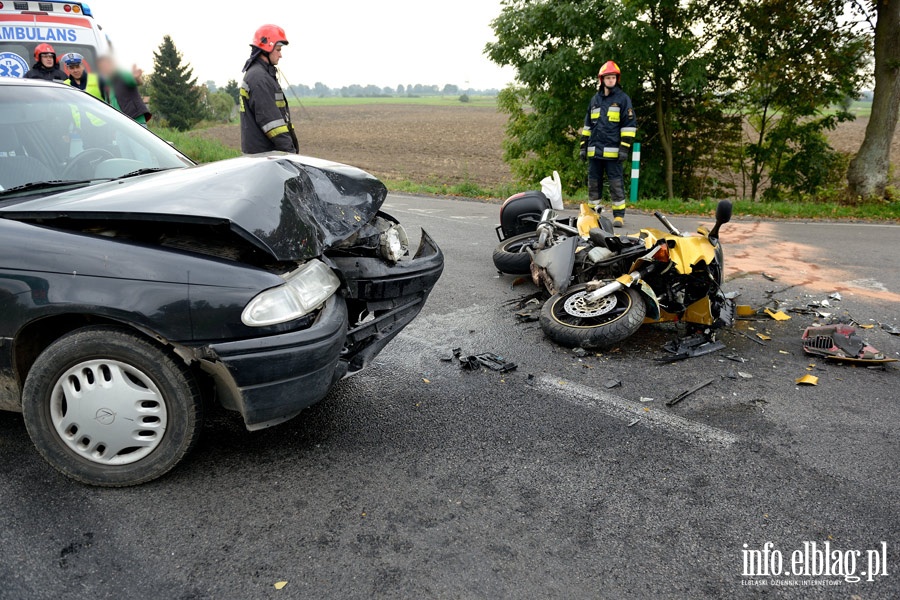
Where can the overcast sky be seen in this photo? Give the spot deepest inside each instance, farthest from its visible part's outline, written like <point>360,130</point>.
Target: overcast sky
<point>337,42</point>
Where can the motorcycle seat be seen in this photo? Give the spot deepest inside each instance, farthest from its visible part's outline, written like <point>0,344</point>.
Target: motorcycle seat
<point>613,242</point>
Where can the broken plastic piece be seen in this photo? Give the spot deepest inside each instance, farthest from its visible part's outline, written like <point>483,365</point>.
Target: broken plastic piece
<point>807,380</point>
<point>840,342</point>
<point>769,277</point>
<point>613,383</point>
<point>835,296</point>
<point>689,347</point>
<point>778,316</point>
<point>491,361</point>
<point>744,310</point>
<point>891,329</point>
<point>687,393</point>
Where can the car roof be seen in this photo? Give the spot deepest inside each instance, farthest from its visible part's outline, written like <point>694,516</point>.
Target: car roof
<point>14,81</point>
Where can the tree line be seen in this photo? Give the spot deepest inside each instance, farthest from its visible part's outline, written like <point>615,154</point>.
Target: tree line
<point>181,103</point>
<point>733,97</point>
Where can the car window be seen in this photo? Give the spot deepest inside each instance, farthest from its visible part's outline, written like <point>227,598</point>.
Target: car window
<point>53,133</point>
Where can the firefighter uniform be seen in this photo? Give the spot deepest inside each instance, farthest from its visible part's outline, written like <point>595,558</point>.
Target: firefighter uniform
<point>265,115</point>
<point>606,139</point>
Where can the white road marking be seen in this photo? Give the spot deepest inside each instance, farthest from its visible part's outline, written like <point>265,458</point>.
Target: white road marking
<point>628,411</point>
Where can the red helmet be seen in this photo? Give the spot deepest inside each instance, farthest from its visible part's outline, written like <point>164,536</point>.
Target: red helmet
<point>267,36</point>
<point>44,49</point>
<point>610,68</point>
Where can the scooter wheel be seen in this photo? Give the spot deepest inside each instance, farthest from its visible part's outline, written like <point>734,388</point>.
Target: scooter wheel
<point>511,255</point>
<point>570,320</point>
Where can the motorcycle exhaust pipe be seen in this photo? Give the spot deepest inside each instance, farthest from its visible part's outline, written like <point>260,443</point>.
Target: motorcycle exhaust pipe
<point>614,286</point>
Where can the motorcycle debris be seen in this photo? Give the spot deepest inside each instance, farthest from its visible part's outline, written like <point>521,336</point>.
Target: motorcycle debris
<point>769,277</point>
<point>778,316</point>
<point>743,375</point>
<point>752,339</point>
<point>454,353</point>
<point>835,296</point>
<point>613,383</point>
<point>891,329</point>
<point>494,362</point>
<point>690,347</point>
<point>579,352</point>
<point>840,342</point>
<point>633,423</point>
<point>687,393</point>
<point>736,358</point>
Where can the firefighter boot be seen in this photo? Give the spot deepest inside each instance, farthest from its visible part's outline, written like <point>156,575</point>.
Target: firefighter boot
<point>617,199</point>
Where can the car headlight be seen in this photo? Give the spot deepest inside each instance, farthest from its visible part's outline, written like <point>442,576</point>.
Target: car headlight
<point>394,242</point>
<point>302,292</point>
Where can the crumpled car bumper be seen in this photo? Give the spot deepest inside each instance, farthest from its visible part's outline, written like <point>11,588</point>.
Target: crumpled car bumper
<point>272,379</point>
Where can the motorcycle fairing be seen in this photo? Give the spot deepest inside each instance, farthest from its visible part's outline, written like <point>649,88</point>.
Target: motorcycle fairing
<point>687,250</point>
<point>557,263</point>
<point>651,301</point>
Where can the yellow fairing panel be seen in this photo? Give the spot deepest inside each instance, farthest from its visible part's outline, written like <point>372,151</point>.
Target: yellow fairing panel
<point>691,250</point>
<point>699,312</point>
<point>587,220</point>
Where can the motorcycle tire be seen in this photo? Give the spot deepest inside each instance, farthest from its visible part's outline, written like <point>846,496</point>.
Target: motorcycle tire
<point>510,256</point>
<point>569,321</point>
<point>719,268</point>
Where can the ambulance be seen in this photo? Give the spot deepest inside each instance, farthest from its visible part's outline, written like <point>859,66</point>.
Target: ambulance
<point>67,26</point>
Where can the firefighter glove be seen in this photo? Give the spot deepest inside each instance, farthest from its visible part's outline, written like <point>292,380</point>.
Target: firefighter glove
<point>583,154</point>
<point>623,154</point>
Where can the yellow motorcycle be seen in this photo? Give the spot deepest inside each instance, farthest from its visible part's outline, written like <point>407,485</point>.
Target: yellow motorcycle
<point>671,276</point>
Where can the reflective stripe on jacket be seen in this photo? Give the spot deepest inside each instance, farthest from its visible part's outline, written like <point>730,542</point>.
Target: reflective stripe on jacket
<point>609,125</point>
<point>265,115</point>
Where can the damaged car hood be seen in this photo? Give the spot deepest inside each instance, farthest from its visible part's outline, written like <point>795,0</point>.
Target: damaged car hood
<point>292,207</point>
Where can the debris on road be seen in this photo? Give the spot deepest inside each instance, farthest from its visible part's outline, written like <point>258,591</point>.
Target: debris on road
<point>751,338</point>
<point>613,383</point>
<point>769,277</point>
<point>690,347</point>
<point>840,342</point>
<point>891,329</point>
<point>778,316</point>
<point>494,362</point>
<point>807,380</point>
<point>688,392</point>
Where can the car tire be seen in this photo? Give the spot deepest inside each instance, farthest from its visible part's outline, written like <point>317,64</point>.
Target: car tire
<point>108,408</point>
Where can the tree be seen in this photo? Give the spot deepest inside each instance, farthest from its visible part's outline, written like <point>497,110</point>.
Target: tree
<point>174,93</point>
<point>233,90</point>
<point>791,63</point>
<point>694,69</point>
<point>220,106</point>
<point>868,173</point>
<point>450,89</point>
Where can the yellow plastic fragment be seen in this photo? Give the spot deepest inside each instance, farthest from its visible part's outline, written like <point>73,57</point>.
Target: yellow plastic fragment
<point>763,337</point>
<point>783,352</point>
<point>870,326</point>
<point>807,380</point>
<point>744,310</point>
<point>426,380</point>
<point>778,316</point>
<point>280,584</point>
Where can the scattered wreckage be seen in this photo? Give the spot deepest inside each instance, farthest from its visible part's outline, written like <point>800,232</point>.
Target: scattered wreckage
<point>604,286</point>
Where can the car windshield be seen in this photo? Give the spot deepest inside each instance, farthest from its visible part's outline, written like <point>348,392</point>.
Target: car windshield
<point>53,134</point>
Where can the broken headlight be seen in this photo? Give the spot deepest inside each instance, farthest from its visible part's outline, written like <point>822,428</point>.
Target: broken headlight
<point>302,292</point>
<point>394,242</point>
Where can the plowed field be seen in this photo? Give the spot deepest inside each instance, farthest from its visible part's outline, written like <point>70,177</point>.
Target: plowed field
<point>435,144</point>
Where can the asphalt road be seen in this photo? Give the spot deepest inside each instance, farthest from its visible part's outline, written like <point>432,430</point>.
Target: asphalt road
<point>416,479</point>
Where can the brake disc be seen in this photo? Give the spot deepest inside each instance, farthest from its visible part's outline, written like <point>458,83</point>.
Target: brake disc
<point>577,305</point>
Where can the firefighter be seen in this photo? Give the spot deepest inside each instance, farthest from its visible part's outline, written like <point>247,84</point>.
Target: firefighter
<point>78,77</point>
<point>606,139</point>
<point>45,65</point>
<point>265,115</point>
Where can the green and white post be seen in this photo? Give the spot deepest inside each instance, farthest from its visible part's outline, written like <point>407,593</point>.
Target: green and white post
<point>635,170</point>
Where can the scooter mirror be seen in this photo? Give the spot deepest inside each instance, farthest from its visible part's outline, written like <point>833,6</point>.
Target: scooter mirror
<point>723,212</point>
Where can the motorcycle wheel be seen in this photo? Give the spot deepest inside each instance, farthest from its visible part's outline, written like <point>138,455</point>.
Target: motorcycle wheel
<point>511,257</point>
<point>719,269</point>
<point>570,321</point>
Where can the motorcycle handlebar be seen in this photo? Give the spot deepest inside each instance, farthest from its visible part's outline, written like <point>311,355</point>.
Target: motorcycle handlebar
<point>665,222</point>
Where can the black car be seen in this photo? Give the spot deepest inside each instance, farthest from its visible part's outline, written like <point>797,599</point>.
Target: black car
<point>135,286</point>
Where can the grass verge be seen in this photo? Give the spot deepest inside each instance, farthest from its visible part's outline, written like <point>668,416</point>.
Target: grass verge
<point>195,147</point>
